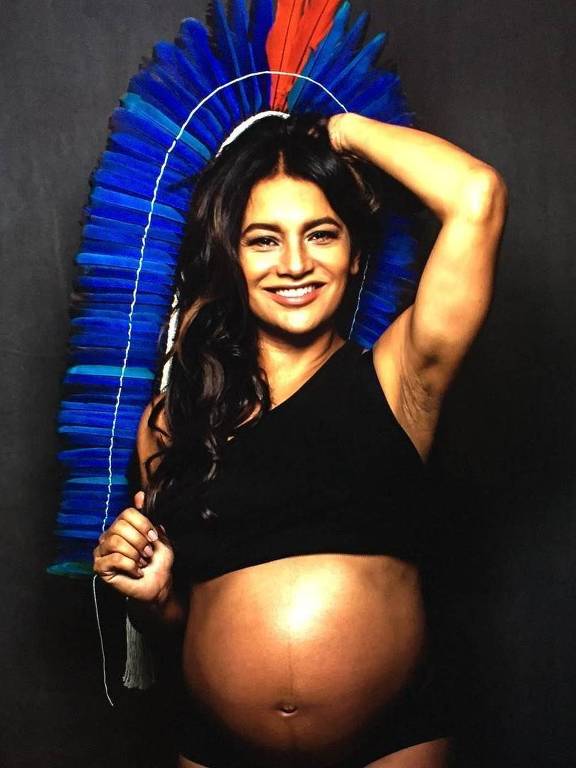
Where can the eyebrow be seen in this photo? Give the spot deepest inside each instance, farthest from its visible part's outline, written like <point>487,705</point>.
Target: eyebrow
<point>276,228</point>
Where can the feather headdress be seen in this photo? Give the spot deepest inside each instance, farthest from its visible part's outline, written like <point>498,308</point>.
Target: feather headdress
<point>302,56</point>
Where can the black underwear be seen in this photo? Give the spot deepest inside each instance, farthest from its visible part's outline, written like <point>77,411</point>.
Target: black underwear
<point>417,715</point>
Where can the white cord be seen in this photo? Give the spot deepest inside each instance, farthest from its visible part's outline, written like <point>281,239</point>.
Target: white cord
<point>101,641</point>
<point>359,294</point>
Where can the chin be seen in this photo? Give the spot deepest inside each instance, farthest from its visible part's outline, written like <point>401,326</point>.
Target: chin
<point>296,332</point>
<point>306,322</point>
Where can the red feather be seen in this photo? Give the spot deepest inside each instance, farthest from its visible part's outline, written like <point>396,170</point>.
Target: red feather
<point>299,26</point>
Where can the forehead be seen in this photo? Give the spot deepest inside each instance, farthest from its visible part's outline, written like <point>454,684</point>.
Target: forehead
<point>286,197</point>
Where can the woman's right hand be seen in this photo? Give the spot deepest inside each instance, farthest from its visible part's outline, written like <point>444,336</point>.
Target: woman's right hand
<point>135,557</point>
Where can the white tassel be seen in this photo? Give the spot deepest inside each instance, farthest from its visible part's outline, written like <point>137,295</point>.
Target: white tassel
<point>139,670</point>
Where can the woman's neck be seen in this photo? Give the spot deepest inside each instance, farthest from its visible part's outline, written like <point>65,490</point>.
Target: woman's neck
<point>288,365</point>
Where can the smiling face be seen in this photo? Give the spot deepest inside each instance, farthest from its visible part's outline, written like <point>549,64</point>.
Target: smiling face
<point>295,254</point>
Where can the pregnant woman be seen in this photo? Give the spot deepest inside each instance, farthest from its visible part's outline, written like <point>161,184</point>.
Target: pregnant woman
<point>283,509</point>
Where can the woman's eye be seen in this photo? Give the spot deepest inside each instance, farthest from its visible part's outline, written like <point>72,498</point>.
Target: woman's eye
<point>324,234</point>
<point>263,241</point>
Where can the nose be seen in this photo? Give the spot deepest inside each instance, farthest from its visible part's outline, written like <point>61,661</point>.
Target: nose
<point>294,259</point>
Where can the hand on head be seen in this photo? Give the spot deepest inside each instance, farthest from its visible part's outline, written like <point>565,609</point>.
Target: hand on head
<point>333,126</point>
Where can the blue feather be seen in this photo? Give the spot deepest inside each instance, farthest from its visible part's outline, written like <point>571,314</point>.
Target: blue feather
<point>125,237</point>
<point>114,216</point>
<point>331,60</point>
<point>243,47</point>
<point>138,106</point>
<point>77,532</point>
<point>374,88</point>
<point>172,66</point>
<point>224,42</point>
<point>75,494</point>
<point>174,110</point>
<point>99,438</point>
<point>88,520</point>
<point>122,299</point>
<point>131,147</point>
<point>331,49</point>
<point>94,482</point>
<point>93,356</point>
<point>180,66</point>
<point>140,314</point>
<point>95,337</point>
<point>92,339</point>
<point>125,120</point>
<point>75,500</point>
<point>341,69</point>
<point>94,458</point>
<point>261,20</point>
<point>119,181</point>
<point>154,254</point>
<point>88,325</point>
<point>98,413</point>
<point>134,203</point>
<point>85,282</point>
<point>359,67</point>
<point>78,431</point>
<point>124,262</point>
<point>121,163</point>
<point>195,43</point>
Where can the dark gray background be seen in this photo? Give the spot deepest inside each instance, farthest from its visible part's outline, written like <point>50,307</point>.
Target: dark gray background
<point>495,77</point>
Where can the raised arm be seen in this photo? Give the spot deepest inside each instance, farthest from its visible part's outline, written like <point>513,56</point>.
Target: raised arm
<point>419,354</point>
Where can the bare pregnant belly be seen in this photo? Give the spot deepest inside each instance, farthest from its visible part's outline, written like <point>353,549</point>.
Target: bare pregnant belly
<point>297,654</point>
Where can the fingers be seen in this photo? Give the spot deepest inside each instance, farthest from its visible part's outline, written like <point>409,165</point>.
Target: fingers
<point>138,521</point>
<point>125,542</point>
<point>126,546</point>
<point>318,126</point>
<point>116,563</point>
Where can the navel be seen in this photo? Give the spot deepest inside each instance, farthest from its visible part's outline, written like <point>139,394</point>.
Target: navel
<point>287,708</point>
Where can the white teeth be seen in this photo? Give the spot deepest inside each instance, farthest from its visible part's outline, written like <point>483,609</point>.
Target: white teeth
<point>295,292</point>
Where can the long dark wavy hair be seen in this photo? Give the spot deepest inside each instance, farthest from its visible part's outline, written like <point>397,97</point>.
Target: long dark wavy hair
<point>216,382</point>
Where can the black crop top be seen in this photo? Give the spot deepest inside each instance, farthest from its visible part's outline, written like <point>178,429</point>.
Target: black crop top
<point>330,469</point>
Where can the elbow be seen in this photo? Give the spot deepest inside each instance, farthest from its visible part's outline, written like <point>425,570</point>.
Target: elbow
<point>485,195</point>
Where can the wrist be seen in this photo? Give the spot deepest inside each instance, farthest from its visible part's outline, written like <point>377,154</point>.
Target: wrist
<point>163,599</point>
<point>342,129</point>
<point>165,609</point>
<point>154,603</point>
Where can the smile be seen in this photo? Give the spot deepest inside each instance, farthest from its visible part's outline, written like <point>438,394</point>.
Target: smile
<point>294,291</point>
<point>296,296</point>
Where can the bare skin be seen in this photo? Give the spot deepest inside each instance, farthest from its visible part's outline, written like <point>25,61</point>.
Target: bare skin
<point>332,636</point>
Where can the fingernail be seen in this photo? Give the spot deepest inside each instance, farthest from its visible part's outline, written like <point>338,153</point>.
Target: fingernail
<point>142,562</point>
<point>140,573</point>
<point>152,535</point>
<point>148,551</point>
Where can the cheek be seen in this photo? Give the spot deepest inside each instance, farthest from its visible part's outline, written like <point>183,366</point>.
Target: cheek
<point>348,265</point>
<point>253,266</point>
<point>246,266</point>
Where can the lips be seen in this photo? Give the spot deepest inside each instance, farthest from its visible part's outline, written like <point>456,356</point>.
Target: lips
<point>295,296</point>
